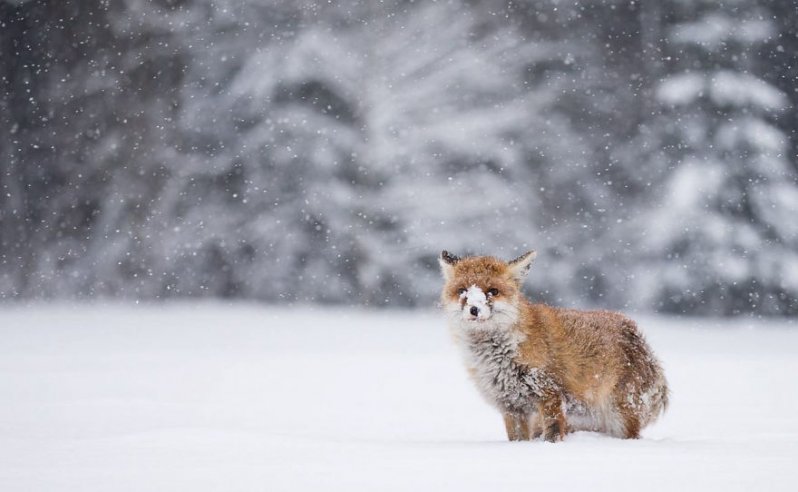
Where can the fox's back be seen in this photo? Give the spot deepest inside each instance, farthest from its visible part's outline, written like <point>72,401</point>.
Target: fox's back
<point>580,347</point>
<point>592,353</point>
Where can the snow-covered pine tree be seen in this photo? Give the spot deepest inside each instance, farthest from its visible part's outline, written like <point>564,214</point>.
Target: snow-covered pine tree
<point>580,172</point>
<point>262,205</point>
<point>447,118</point>
<point>721,238</point>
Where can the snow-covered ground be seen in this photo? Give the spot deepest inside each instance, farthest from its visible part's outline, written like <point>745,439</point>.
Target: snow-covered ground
<point>229,398</point>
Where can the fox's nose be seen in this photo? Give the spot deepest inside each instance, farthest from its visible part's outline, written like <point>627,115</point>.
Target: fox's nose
<point>474,311</point>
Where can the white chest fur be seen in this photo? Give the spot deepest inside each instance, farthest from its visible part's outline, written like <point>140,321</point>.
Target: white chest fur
<point>491,356</point>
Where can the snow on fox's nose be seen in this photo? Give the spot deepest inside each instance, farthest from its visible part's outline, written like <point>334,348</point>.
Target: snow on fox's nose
<point>476,302</point>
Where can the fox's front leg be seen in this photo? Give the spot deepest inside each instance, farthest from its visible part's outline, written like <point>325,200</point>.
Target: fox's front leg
<point>517,426</point>
<point>535,425</point>
<point>552,418</point>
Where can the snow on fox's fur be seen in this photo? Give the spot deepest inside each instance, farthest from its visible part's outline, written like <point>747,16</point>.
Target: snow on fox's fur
<point>549,370</point>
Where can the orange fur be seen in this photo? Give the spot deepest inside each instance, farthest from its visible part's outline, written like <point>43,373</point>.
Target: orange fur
<point>569,369</point>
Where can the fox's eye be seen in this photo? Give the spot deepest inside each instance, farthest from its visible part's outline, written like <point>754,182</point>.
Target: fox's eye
<point>493,292</point>
<point>461,291</point>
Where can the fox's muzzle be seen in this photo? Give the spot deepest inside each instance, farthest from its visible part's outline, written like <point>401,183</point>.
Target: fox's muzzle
<point>475,304</point>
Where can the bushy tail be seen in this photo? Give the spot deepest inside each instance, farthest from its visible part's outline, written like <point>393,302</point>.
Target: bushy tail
<point>661,397</point>
<point>656,398</point>
<point>652,387</point>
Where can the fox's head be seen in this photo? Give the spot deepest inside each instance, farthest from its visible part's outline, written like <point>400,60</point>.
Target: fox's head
<point>483,290</point>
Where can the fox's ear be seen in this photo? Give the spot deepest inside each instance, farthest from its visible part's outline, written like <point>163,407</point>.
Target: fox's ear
<point>519,267</point>
<point>447,262</point>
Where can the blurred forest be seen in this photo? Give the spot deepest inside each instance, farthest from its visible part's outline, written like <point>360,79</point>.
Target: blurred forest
<point>300,151</point>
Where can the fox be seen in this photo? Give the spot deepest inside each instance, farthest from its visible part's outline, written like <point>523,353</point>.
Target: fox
<point>550,371</point>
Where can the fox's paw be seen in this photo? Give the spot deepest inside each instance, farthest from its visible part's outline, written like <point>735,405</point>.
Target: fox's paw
<point>554,432</point>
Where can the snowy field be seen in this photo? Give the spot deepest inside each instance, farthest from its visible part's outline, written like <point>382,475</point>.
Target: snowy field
<point>245,398</point>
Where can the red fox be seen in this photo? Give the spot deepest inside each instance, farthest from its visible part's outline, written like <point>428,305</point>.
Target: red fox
<point>549,370</point>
